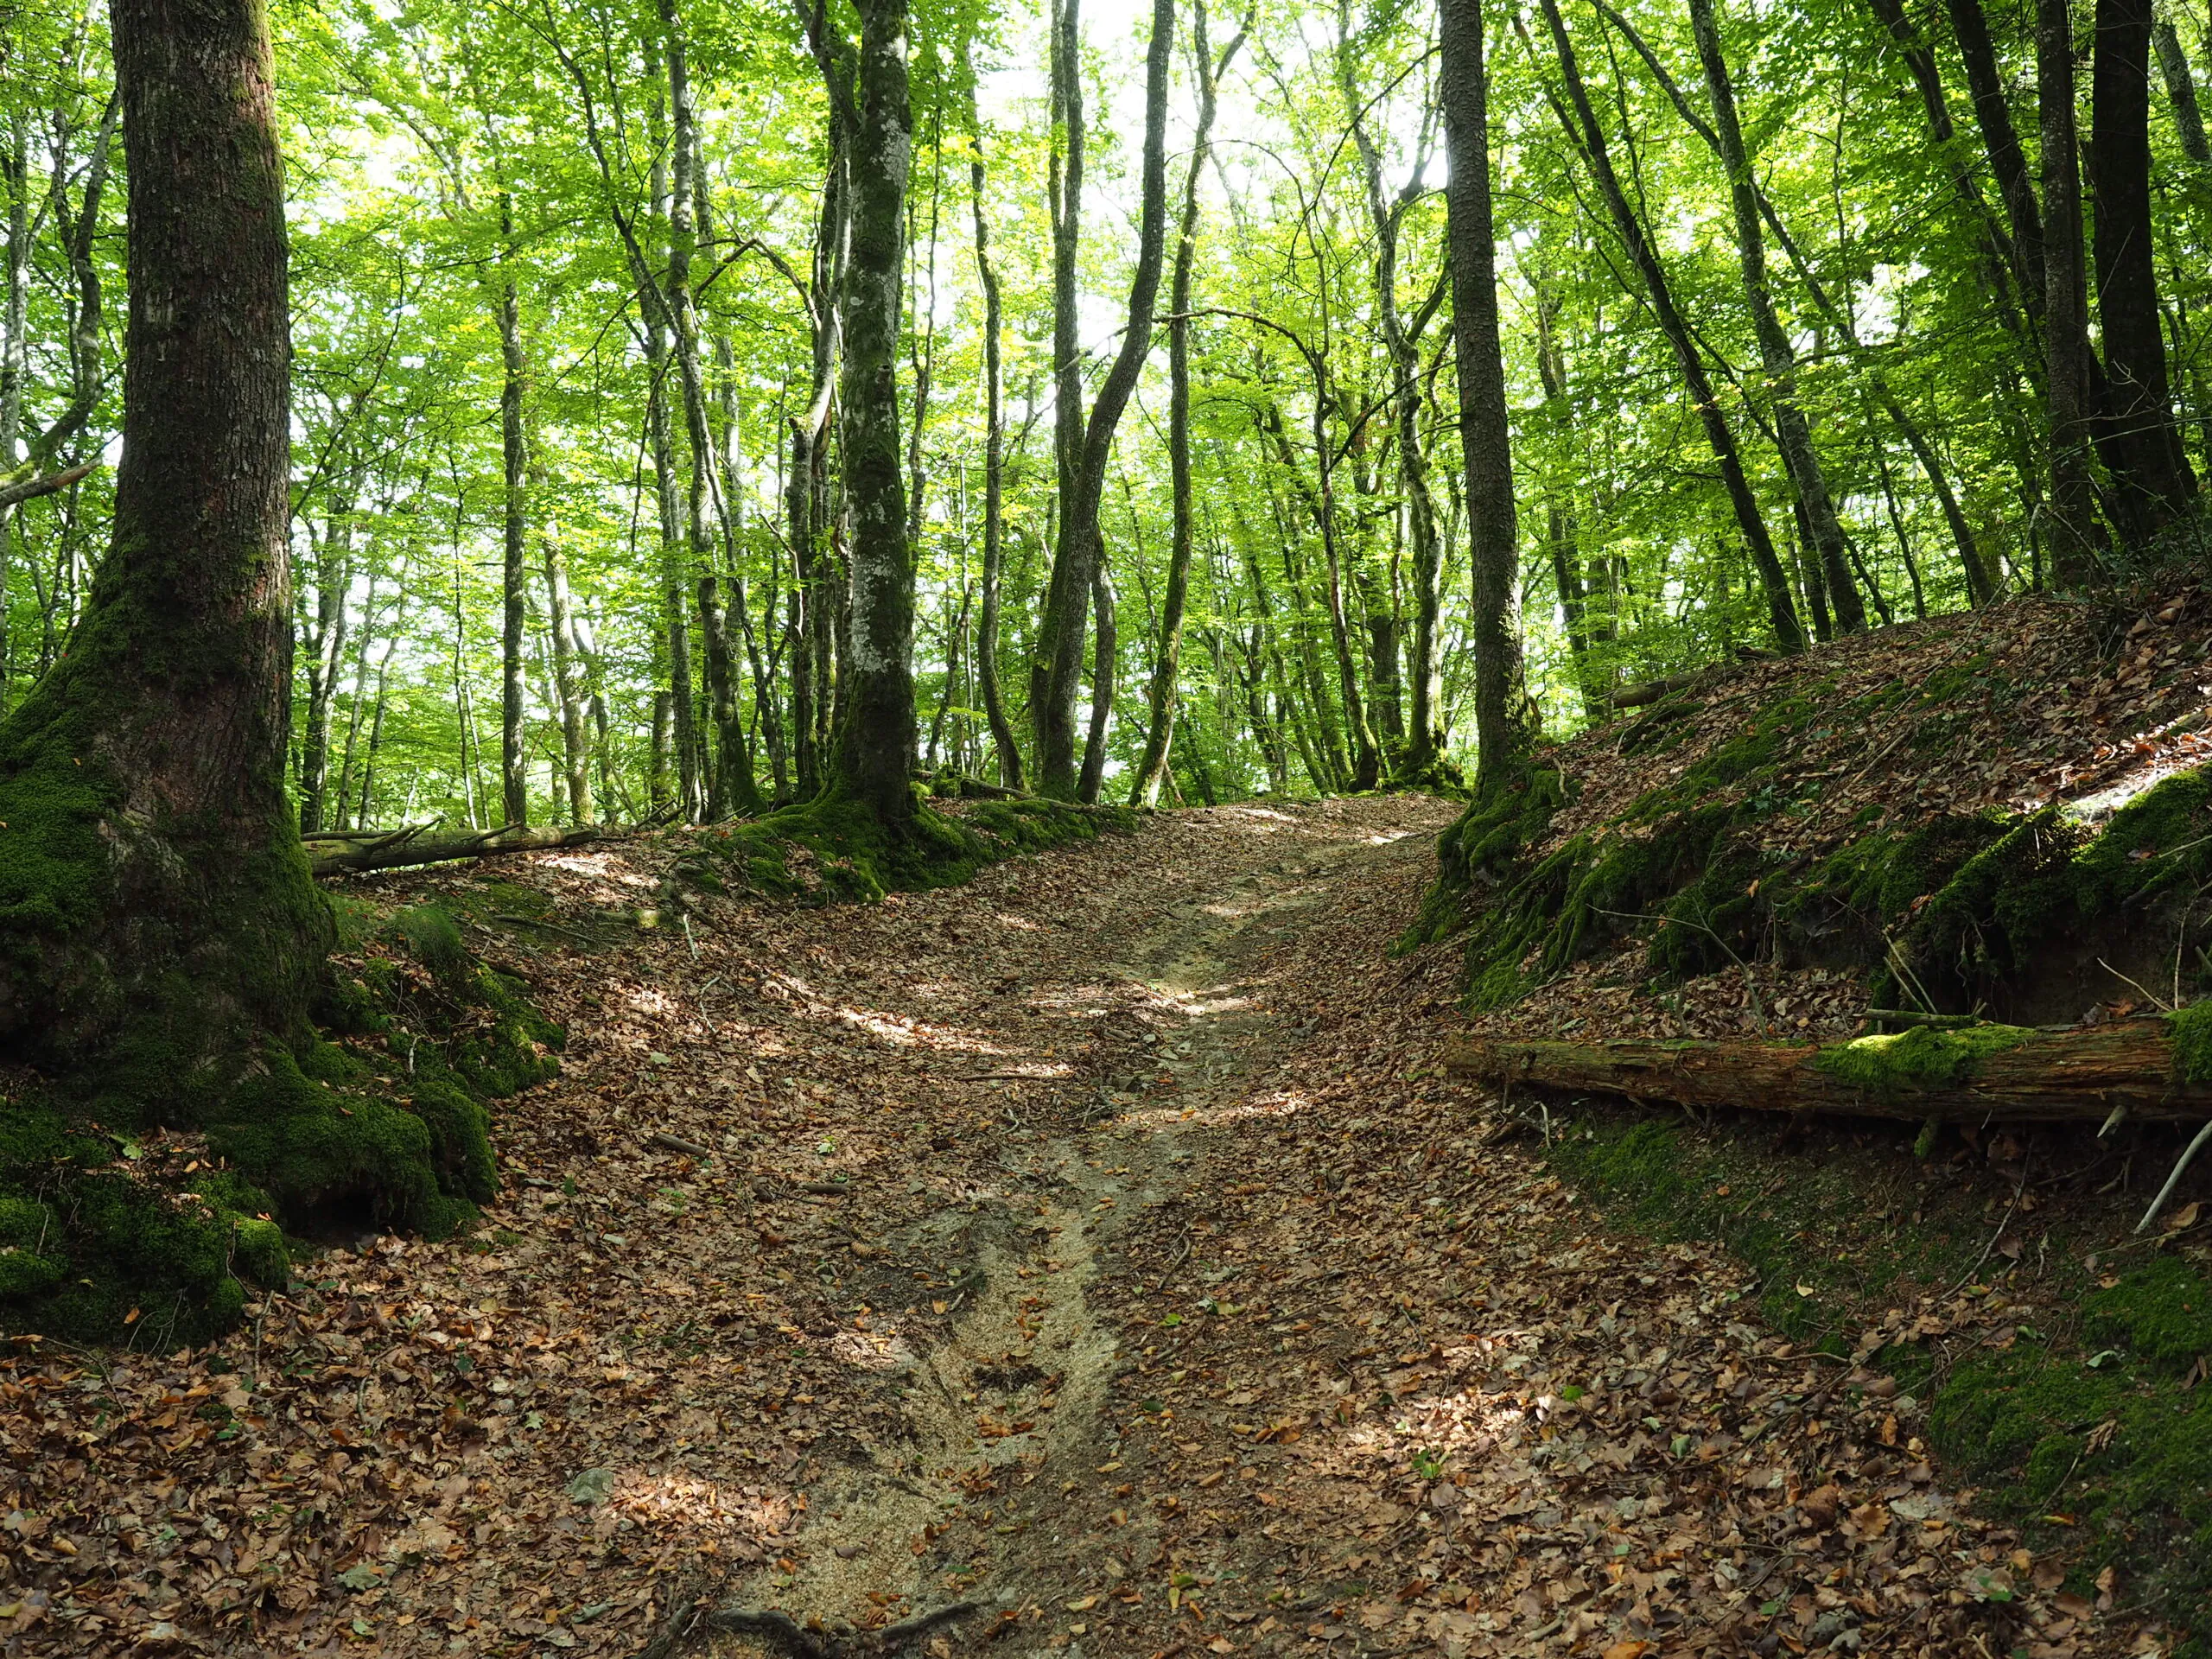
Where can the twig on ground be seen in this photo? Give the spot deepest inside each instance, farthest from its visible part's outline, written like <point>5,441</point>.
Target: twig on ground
<point>2173,1178</point>
<point>677,1143</point>
<point>551,927</point>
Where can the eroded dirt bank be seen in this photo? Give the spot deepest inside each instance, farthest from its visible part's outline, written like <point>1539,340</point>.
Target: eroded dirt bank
<point>1097,1244</point>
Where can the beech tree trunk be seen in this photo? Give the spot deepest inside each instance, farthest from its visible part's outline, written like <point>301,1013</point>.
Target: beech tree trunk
<point>158,906</point>
<point>1793,434</point>
<point>987,641</point>
<point>1583,131</point>
<point>1160,728</point>
<point>1501,736</point>
<point>875,745</point>
<point>2071,532</point>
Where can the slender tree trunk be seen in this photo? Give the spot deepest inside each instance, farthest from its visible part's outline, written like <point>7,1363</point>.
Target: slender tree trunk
<point>2156,483</point>
<point>1501,736</point>
<point>1106,642</point>
<point>1057,669</point>
<point>342,793</point>
<point>2181,92</point>
<point>1166,668</point>
<point>987,642</point>
<point>568,676</point>
<point>368,792</point>
<point>2071,528</point>
<point>1583,130</point>
<point>514,782</point>
<point>875,747</point>
<point>1793,434</point>
<point>159,907</point>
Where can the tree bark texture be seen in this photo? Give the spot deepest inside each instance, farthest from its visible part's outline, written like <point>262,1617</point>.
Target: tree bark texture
<point>1485,446</point>
<point>2154,482</point>
<point>154,883</point>
<point>875,745</point>
<point>2060,1077</point>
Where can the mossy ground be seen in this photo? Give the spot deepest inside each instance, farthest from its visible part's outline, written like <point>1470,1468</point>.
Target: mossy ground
<point>2084,1430</point>
<point>833,849</point>
<point>380,1118</point>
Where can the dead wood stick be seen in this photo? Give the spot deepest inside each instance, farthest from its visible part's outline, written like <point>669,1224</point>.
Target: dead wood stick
<point>2044,1076</point>
<point>677,1143</point>
<point>491,843</point>
<point>30,489</point>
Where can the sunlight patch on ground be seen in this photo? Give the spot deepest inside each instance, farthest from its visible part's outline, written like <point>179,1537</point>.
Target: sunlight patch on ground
<point>716,1518</point>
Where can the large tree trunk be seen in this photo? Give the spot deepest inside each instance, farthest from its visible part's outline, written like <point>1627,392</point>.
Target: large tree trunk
<point>1501,734</point>
<point>2072,533</point>
<point>1055,674</point>
<point>2077,1075</point>
<point>2155,483</point>
<point>1793,434</point>
<point>158,909</point>
<point>1583,130</point>
<point>875,746</point>
<point>987,641</point>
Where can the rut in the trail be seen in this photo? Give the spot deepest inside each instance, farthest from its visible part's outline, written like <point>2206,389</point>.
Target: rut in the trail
<point>1016,1397</point>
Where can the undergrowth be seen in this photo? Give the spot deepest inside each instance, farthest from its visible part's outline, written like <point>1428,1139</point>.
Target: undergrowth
<point>116,1228</point>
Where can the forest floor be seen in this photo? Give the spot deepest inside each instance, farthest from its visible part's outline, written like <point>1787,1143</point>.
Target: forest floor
<point>1098,1244</point>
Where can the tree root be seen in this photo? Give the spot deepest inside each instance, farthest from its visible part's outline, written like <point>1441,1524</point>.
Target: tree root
<point>692,1620</point>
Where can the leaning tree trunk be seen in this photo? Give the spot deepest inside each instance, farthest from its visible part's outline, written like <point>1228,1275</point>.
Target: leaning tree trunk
<point>2073,535</point>
<point>1501,736</point>
<point>987,639</point>
<point>875,746</point>
<point>1058,669</point>
<point>1584,132</point>
<point>1793,432</point>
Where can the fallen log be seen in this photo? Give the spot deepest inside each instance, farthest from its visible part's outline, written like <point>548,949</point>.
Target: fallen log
<point>2007,1073</point>
<point>401,851</point>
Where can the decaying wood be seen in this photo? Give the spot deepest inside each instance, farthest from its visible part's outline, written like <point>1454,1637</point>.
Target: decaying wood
<point>404,847</point>
<point>1642,692</point>
<point>2052,1077</point>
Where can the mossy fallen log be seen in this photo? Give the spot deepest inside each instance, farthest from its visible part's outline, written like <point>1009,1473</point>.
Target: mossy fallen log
<point>2152,1068</point>
<point>402,851</point>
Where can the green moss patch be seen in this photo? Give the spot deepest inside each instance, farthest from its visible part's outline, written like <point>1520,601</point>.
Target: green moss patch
<point>1923,1058</point>
<point>833,849</point>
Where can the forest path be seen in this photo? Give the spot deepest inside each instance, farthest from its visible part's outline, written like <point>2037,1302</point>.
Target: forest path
<point>1098,1244</point>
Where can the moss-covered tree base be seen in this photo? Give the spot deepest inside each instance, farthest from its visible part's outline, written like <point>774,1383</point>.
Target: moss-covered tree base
<point>834,849</point>
<point>133,1208</point>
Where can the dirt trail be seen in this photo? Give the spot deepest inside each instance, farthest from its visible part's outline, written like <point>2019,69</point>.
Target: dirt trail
<point>1028,1348</point>
<point>1098,1244</point>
